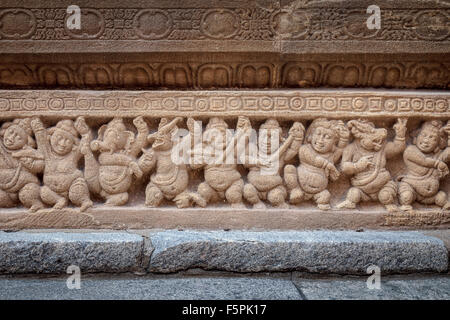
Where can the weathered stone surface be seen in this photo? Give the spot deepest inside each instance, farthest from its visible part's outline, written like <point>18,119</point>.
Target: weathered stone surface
<point>223,44</point>
<point>344,252</point>
<point>290,26</point>
<point>429,288</point>
<point>99,287</point>
<point>23,252</point>
<point>193,288</point>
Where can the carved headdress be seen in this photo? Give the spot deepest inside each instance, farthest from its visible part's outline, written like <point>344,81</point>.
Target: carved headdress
<point>324,123</point>
<point>361,128</point>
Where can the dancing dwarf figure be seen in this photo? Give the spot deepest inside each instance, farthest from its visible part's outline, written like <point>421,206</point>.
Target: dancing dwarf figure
<point>19,164</point>
<point>326,140</point>
<point>61,148</point>
<point>222,179</point>
<point>112,176</point>
<point>425,162</point>
<point>170,180</point>
<point>265,182</point>
<point>365,160</point>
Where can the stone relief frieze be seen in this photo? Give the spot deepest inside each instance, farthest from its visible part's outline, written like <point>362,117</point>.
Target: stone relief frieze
<point>249,149</point>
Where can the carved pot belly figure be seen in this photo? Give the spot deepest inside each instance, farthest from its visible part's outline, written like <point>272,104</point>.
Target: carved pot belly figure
<point>63,180</point>
<point>425,162</point>
<point>170,179</point>
<point>264,177</point>
<point>111,177</point>
<point>365,160</point>
<point>222,179</point>
<point>19,164</point>
<point>326,140</point>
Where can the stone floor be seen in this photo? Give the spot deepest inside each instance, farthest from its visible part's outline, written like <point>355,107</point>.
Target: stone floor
<point>290,286</point>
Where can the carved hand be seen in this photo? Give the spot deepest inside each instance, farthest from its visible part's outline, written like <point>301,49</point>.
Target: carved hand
<point>84,146</point>
<point>400,128</point>
<point>28,162</point>
<point>190,124</point>
<point>140,123</point>
<point>81,126</point>
<point>36,124</point>
<point>334,173</point>
<point>364,162</point>
<point>95,145</point>
<point>344,133</point>
<point>447,128</point>
<point>441,166</point>
<point>145,161</point>
<point>135,169</point>
<point>243,124</point>
<point>297,131</point>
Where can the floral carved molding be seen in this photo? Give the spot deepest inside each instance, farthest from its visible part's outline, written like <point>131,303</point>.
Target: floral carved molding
<point>238,23</point>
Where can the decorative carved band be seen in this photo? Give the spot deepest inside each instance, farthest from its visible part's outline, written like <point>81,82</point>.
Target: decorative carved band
<point>270,73</point>
<point>283,104</point>
<point>239,23</point>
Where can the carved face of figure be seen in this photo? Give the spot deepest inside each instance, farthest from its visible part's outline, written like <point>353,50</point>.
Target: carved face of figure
<point>372,142</point>
<point>115,138</point>
<point>14,138</point>
<point>267,137</point>
<point>323,140</point>
<point>61,142</point>
<point>216,137</point>
<point>163,142</point>
<point>427,140</point>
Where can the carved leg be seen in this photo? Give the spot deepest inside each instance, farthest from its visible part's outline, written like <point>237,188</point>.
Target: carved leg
<point>206,192</point>
<point>251,195</point>
<point>51,198</point>
<point>183,200</point>
<point>387,196</point>
<point>353,197</point>
<point>441,200</point>
<point>406,196</point>
<point>322,200</point>
<point>153,196</point>
<point>79,194</point>
<point>277,197</point>
<point>296,195</point>
<point>119,199</point>
<point>290,177</point>
<point>234,194</point>
<point>29,196</point>
<point>5,200</point>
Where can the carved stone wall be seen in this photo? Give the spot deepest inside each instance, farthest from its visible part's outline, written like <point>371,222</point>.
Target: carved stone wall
<point>342,150</point>
<point>237,44</point>
<point>113,126</point>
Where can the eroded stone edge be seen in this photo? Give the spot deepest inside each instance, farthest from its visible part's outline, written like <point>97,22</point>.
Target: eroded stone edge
<point>411,251</point>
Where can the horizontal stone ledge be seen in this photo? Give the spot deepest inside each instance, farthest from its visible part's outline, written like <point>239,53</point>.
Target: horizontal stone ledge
<point>342,252</point>
<point>339,252</point>
<point>219,218</point>
<point>22,252</point>
<point>290,26</point>
<point>286,104</point>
